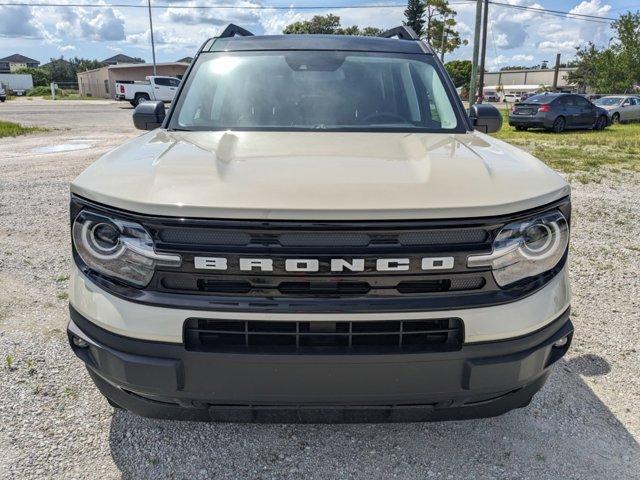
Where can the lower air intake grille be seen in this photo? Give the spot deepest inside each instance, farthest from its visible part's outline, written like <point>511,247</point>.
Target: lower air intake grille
<point>401,336</point>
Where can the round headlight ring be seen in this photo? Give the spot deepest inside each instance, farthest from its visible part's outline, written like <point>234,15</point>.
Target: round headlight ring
<point>94,245</point>
<point>551,243</point>
<point>105,237</point>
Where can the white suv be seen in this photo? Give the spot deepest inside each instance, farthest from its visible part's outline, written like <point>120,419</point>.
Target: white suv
<point>317,231</point>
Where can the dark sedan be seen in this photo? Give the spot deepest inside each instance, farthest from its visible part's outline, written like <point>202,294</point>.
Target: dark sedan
<point>558,112</point>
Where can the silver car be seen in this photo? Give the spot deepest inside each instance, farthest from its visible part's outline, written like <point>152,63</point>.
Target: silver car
<point>621,108</point>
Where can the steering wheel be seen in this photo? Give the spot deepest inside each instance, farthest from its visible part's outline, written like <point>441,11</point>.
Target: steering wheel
<point>382,116</point>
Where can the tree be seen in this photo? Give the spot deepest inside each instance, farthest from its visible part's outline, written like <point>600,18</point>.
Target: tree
<point>328,25</point>
<point>433,10</point>
<point>627,48</point>
<point>613,69</point>
<point>449,40</point>
<point>460,72</point>
<point>506,68</point>
<point>434,20</point>
<point>414,14</point>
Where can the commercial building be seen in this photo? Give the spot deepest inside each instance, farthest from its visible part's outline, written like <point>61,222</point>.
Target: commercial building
<point>526,81</point>
<point>100,82</point>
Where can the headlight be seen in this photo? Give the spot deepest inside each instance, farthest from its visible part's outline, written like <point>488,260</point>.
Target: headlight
<point>526,248</point>
<point>118,248</point>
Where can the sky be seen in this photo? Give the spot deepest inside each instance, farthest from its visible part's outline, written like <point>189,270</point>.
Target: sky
<point>515,37</point>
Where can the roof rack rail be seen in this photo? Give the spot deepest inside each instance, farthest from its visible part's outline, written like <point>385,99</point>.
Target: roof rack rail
<point>403,32</point>
<point>234,30</point>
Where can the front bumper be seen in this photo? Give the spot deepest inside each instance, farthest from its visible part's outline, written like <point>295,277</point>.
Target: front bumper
<point>164,380</point>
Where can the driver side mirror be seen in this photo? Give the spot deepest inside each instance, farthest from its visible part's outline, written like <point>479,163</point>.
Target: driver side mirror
<point>149,115</point>
<point>485,118</point>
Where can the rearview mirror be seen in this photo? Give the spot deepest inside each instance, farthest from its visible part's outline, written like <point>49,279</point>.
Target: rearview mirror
<point>485,118</point>
<point>148,115</point>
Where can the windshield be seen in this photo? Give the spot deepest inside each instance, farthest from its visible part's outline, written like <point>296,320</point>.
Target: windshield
<point>541,99</point>
<point>315,90</point>
<point>608,101</point>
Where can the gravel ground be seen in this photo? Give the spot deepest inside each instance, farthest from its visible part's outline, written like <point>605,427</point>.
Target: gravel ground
<point>584,424</point>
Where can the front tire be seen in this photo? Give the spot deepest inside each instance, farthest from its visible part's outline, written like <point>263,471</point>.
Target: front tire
<point>559,124</point>
<point>601,123</point>
<point>615,119</point>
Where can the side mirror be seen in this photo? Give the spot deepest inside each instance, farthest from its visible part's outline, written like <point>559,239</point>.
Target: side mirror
<point>148,115</point>
<point>485,118</point>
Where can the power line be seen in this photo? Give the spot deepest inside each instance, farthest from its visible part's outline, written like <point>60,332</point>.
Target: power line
<point>543,11</point>
<point>558,13</point>
<point>203,7</point>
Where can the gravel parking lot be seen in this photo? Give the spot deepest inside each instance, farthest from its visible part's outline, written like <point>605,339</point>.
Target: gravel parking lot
<point>584,424</point>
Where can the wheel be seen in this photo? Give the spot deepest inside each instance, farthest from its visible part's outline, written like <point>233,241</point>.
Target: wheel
<point>133,103</point>
<point>140,97</point>
<point>521,128</point>
<point>601,123</point>
<point>559,124</point>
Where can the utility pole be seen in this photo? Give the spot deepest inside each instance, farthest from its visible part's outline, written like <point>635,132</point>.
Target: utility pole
<point>483,52</point>
<point>556,70</point>
<point>153,46</point>
<point>473,87</point>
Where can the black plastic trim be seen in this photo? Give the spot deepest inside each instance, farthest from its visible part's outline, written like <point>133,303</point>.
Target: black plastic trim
<point>234,30</point>
<point>165,380</point>
<point>403,32</point>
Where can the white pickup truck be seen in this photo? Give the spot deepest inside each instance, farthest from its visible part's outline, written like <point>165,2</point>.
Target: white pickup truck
<point>153,88</point>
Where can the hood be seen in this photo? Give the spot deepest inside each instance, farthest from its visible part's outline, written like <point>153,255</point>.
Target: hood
<point>319,175</point>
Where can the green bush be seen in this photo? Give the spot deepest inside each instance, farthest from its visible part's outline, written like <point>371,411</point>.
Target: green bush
<point>46,92</point>
<point>39,92</point>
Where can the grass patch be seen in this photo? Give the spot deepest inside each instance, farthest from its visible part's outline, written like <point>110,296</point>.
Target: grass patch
<point>10,129</point>
<point>70,96</point>
<point>618,146</point>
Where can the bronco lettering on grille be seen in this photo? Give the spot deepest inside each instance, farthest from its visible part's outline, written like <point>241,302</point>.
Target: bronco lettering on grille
<point>310,265</point>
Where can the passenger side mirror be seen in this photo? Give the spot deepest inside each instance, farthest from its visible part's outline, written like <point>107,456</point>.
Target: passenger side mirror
<point>148,115</point>
<point>485,118</point>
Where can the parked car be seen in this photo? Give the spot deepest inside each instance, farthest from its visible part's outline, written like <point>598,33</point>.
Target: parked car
<point>491,96</point>
<point>157,88</point>
<point>558,112</point>
<point>303,238</point>
<point>3,93</point>
<point>621,108</point>
<point>512,97</point>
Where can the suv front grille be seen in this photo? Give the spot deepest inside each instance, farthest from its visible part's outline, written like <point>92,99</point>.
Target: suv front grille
<point>387,336</point>
<point>233,287</point>
<point>256,286</point>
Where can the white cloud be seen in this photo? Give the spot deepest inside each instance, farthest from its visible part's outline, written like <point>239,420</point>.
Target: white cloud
<point>274,22</point>
<point>509,34</point>
<point>66,48</point>
<point>18,22</point>
<point>217,17</point>
<point>502,60</point>
<point>103,25</point>
<point>522,58</point>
